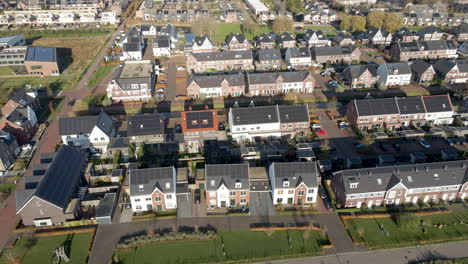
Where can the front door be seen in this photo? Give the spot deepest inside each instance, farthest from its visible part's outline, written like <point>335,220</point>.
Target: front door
<point>233,202</point>
<point>149,207</point>
<point>415,199</point>
<point>223,203</point>
<point>369,204</point>
<point>290,200</point>
<point>158,207</point>
<point>397,201</point>
<point>444,197</point>
<point>358,205</point>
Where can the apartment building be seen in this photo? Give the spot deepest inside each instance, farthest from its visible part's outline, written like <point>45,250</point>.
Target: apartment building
<point>220,85</point>
<point>153,189</point>
<point>294,183</point>
<point>133,82</point>
<point>249,123</point>
<point>401,184</point>
<point>431,49</point>
<point>227,185</point>
<point>270,83</point>
<point>221,61</point>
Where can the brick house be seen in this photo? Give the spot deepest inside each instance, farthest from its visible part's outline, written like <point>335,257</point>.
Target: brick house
<point>203,44</point>
<point>395,112</point>
<point>336,54</point>
<point>133,82</point>
<point>153,189</point>
<point>264,41</point>
<point>21,97</point>
<point>294,183</point>
<point>460,32</point>
<point>227,185</point>
<point>379,36</point>
<point>249,123</point>
<point>49,197</point>
<point>268,59</point>
<point>452,71</point>
<point>219,85</point>
<point>430,33</point>
<point>221,61</point>
<point>405,35</point>
<point>422,71</point>
<point>401,184</point>
<point>42,61</point>
<point>230,16</point>
<point>21,123</point>
<point>432,49</point>
<point>270,83</point>
<point>237,42</point>
<point>197,127</point>
<point>342,39</point>
<point>298,58</point>
<point>357,76</point>
<point>286,40</point>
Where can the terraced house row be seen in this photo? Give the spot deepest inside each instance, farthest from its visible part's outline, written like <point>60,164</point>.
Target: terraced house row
<point>262,83</point>
<point>395,112</point>
<point>226,185</point>
<point>404,184</point>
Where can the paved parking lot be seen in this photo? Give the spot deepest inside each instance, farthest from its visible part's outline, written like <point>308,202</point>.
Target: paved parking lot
<point>261,204</point>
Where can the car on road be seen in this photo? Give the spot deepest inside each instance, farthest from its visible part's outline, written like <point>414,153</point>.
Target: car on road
<point>319,131</point>
<point>197,196</point>
<point>325,73</point>
<point>343,125</point>
<point>424,143</point>
<point>316,126</point>
<point>332,82</point>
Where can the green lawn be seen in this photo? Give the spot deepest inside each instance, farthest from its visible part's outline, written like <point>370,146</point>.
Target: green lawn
<point>238,246</point>
<point>223,30</point>
<point>6,70</point>
<point>40,250</point>
<point>414,229</point>
<point>99,75</point>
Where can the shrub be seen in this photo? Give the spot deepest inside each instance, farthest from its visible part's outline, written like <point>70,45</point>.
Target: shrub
<point>171,236</point>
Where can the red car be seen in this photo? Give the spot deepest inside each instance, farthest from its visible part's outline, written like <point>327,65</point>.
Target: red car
<point>319,131</point>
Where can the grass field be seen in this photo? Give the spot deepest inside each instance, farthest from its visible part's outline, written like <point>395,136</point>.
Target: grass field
<point>99,75</point>
<point>223,30</point>
<point>414,230</point>
<point>6,70</point>
<point>238,246</point>
<point>31,250</point>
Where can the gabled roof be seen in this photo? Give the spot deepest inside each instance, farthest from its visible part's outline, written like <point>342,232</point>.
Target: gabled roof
<point>293,113</point>
<point>211,81</point>
<point>199,120</point>
<point>239,37</point>
<point>381,106</point>
<point>264,38</point>
<point>142,125</point>
<point>60,180</point>
<point>420,66</point>
<point>268,54</point>
<point>437,103</point>
<point>429,30</point>
<point>85,124</point>
<point>397,68</point>
<point>333,50</point>
<point>10,38</point>
<point>284,37</point>
<point>338,38</point>
<point>299,52</point>
<point>145,181</point>
<point>444,66</point>
<point>21,96</point>
<point>411,176</point>
<point>411,105</point>
<point>161,42</point>
<point>35,53</point>
<point>271,77</point>
<point>314,33</point>
<point>355,71</point>
<point>404,32</point>
<point>372,31</point>
<point>295,173</point>
<point>200,40</point>
<point>458,30</point>
<point>255,115</point>
<point>223,55</point>
<point>227,174</point>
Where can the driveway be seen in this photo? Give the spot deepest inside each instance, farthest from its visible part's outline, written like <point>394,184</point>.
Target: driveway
<point>170,92</point>
<point>184,205</point>
<point>341,139</point>
<point>261,204</point>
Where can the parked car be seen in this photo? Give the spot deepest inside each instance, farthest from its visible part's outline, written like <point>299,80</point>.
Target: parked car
<point>343,125</point>
<point>322,192</point>
<point>332,82</point>
<point>178,128</point>
<point>316,126</point>
<point>221,126</point>
<point>319,131</point>
<point>424,143</point>
<point>449,141</point>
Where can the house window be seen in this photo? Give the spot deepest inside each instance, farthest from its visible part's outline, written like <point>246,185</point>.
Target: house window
<point>169,196</point>
<point>232,193</point>
<point>168,185</point>
<point>243,193</point>
<point>148,199</point>
<point>238,185</point>
<point>291,192</point>
<point>212,183</point>
<point>280,192</point>
<point>194,122</point>
<point>309,199</point>
<point>157,198</point>
<point>310,191</point>
<point>243,201</point>
<point>301,192</point>
<point>279,200</point>
<point>286,183</point>
<point>137,200</point>
<point>205,122</point>
<point>138,207</point>
<point>140,187</point>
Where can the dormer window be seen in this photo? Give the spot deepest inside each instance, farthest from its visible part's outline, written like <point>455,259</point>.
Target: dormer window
<point>285,183</point>
<point>140,187</point>
<point>168,185</point>
<point>212,183</point>
<point>353,185</point>
<point>194,122</point>
<point>238,184</point>
<point>205,122</point>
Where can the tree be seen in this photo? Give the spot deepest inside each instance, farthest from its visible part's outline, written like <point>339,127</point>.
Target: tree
<point>358,24</point>
<point>340,88</point>
<point>367,140</point>
<point>346,22</point>
<point>295,6</point>
<point>325,146</point>
<point>117,157</point>
<point>382,86</point>
<point>141,150</point>
<point>131,150</point>
<point>203,25</point>
<point>376,19</point>
<point>282,24</point>
<point>249,27</point>
<point>393,22</point>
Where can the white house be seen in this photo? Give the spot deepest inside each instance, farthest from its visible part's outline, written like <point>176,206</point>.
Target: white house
<point>394,74</point>
<point>294,183</point>
<point>88,132</point>
<point>132,45</point>
<point>298,57</point>
<point>44,19</point>
<point>66,18</point>
<point>148,30</point>
<point>203,44</point>
<point>87,17</point>
<point>161,46</point>
<point>108,18</point>
<point>439,109</point>
<point>153,189</point>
